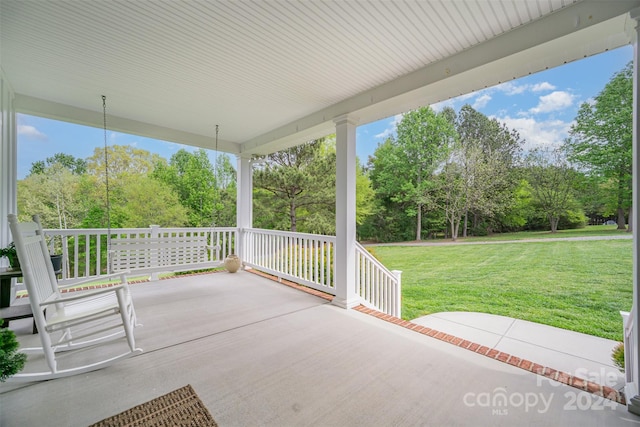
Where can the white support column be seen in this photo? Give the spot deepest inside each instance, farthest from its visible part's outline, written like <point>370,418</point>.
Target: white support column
<point>633,400</point>
<point>345,250</point>
<point>8,161</point>
<point>244,200</point>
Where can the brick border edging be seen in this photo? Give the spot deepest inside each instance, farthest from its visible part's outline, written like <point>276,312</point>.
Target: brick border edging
<point>559,376</point>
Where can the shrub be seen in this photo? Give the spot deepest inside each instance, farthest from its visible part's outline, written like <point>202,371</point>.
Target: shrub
<point>618,356</point>
<point>372,251</point>
<point>11,362</point>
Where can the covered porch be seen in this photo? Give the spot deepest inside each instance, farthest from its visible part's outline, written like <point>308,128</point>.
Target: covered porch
<point>261,353</point>
<point>255,352</point>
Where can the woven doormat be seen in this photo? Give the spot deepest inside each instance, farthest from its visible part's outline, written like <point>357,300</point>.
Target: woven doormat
<point>181,407</point>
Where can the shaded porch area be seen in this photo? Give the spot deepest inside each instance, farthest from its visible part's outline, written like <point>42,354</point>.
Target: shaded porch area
<point>261,353</point>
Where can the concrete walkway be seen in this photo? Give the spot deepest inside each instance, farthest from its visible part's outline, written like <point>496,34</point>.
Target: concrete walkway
<point>580,355</point>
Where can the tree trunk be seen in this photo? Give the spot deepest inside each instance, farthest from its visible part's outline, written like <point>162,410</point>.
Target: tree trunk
<point>464,227</point>
<point>455,225</point>
<point>292,216</point>
<point>554,223</point>
<point>419,224</point>
<point>621,220</point>
<point>630,229</point>
<point>622,224</point>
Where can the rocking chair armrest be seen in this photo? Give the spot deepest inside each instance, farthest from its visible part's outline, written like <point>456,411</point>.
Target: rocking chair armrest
<point>122,275</point>
<point>82,295</point>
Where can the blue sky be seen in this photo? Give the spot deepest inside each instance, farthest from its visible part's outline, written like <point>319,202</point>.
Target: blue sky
<point>541,107</point>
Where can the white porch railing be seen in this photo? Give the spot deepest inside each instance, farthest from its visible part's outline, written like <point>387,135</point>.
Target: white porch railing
<point>85,251</point>
<point>630,357</point>
<point>379,288</point>
<point>303,258</point>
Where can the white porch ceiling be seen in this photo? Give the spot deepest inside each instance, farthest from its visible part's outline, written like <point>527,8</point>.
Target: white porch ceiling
<point>276,73</point>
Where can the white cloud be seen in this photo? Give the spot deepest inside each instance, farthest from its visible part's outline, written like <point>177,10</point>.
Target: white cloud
<point>483,96</point>
<point>481,101</point>
<point>384,134</point>
<point>549,133</point>
<point>391,129</point>
<point>113,136</point>
<point>539,87</point>
<point>31,132</point>
<point>511,88</point>
<point>557,100</point>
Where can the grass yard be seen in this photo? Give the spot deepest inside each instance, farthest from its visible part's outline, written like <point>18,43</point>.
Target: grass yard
<point>576,285</point>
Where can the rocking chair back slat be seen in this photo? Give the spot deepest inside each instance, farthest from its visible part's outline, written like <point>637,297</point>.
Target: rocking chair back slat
<point>36,272</point>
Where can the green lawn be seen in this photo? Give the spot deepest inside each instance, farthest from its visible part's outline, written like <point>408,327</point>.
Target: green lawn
<point>576,285</point>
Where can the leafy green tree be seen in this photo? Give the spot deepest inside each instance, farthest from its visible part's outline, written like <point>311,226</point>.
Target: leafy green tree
<point>487,152</point>
<point>296,189</point>
<point>192,177</point>
<point>388,222</point>
<point>130,190</point>
<point>551,181</point>
<point>147,201</point>
<point>453,196</point>
<point>75,165</point>
<point>52,194</point>
<point>123,160</point>
<point>515,218</point>
<point>403,168</point>
<point>365,196</point>
<point>601,138</point>
<point>226,189</point>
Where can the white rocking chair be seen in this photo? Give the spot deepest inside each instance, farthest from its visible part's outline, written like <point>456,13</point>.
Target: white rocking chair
<point>72,320</point>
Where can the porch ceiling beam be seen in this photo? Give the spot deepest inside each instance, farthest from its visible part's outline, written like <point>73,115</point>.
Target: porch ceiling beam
<point>519,52</point>
<point>56,111</point>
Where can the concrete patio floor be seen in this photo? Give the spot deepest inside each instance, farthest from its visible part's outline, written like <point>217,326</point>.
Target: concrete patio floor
<point>260,353</point>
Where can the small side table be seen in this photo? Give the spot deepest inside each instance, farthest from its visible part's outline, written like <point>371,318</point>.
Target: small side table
<point>5,285</point>
<point>7,311</point>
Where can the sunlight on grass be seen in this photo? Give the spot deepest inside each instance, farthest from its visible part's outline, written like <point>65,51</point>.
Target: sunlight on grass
<point>576,285</point>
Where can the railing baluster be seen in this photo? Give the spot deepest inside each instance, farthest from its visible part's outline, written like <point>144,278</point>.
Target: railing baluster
<point>376,285</point>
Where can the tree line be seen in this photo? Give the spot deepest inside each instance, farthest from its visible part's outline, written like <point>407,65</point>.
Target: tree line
<point>444,173</point>
<point>456,174</point>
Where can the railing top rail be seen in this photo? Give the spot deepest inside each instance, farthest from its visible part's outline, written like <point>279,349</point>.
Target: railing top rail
<point>292,234</point>
<point>73,231</point>
<point>197,228</point>
<point>629,317</point>
<point>371,258</point>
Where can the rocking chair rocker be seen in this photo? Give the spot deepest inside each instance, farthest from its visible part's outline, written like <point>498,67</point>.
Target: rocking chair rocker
<point>74,320</point>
